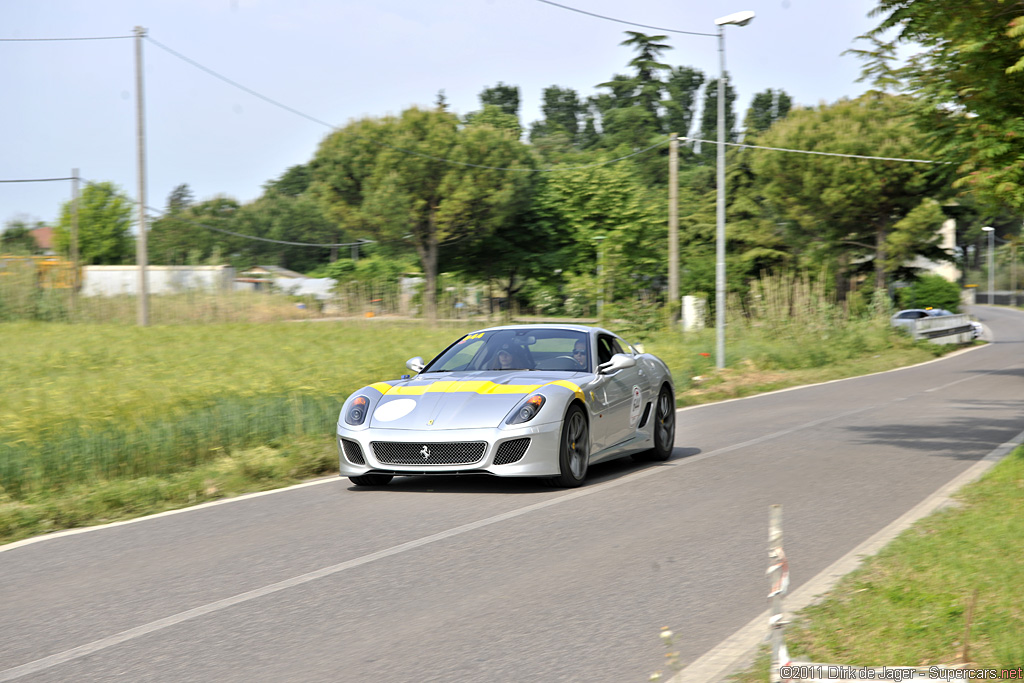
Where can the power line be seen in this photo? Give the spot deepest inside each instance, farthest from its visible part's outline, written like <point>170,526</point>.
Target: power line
<point>808,151</point>
<point>40,40</point>
<point>253,237</point>
<point>164,214</point>
<point>321,122</point>
<point>34,180</point>
<point>630,23</point>
<point>404,150</point>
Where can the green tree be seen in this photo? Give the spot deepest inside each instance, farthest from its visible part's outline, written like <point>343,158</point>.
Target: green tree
<point>967,83</point>
<point>286,223</point>
<point>17,238</point>
<point>631,111</point>
<point>181,198</point>
<point>287,216</point>
<point>189,232</point>
<point>765,109</point>
<point>931,291</point>
<point>709,118</point>
<point>494,116</point>
<point>563,109</point>
<point>682,85</point>
<point>393,180</point>
<point>559,130</point>
<point>844,212</point>
<point>104,226</point>
<point>647,85</point>
<point>505,97</point>
<point>605,207</point>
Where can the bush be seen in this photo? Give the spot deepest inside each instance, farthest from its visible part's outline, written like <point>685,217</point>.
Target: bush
<point>931,291</point>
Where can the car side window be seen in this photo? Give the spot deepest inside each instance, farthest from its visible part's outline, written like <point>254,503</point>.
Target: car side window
<point>605,348</point>
<point>616,346</point>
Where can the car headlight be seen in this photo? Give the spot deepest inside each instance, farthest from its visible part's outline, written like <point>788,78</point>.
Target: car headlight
<point>526,411</point>
<point>357,410</point>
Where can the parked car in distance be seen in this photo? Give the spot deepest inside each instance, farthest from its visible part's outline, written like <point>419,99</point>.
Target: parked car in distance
<point>906,317</point>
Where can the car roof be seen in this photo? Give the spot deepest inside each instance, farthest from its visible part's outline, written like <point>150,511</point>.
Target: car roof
<point>546,326</point>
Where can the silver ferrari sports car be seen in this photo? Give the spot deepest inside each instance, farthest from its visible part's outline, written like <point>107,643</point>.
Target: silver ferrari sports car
<point>516,401</point>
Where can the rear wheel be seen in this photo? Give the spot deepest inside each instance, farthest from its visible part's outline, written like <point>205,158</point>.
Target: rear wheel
<point>664,429</point>
<point>574,449</point>
<point>372,479</point>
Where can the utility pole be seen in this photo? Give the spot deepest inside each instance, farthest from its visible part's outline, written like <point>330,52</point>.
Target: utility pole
<point>673,228</point>
<point>74,239</point>
<point>720,212</point>
<point>141,252</point>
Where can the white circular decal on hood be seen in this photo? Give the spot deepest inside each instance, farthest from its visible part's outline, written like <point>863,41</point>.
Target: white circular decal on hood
<point>392,410</point>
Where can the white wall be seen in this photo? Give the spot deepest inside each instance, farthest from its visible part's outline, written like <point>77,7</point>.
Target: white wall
<point>113,280</point>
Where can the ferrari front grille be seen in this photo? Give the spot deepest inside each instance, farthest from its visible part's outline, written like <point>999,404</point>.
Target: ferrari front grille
<point>353,453</point>
<point>511,451</point>
<point>419,453</point>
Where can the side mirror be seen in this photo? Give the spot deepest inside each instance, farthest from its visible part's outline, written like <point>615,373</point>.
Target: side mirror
<point>619,361</point>
<point>415,364</point>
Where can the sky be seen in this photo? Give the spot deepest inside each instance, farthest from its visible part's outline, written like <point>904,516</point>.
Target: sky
<point>72,104</point>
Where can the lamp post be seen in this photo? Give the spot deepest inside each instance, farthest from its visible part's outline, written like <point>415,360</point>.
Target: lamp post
<point>735,19</point>
<point>991,261</point>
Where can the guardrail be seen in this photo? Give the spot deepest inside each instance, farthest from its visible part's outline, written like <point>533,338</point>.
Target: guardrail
<point>943,329</point>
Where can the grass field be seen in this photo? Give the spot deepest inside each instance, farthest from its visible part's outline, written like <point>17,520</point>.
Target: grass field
<point>946,592</point>
<point>101,422</point>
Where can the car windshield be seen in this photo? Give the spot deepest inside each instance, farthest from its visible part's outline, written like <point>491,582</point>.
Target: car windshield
<point>516,349</point>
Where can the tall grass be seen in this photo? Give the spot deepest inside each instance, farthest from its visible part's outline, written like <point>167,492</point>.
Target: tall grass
<point>793,321</point>
<point>90,402</point>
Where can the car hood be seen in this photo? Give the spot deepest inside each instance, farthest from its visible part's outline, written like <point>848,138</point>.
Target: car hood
<point>463,401</point>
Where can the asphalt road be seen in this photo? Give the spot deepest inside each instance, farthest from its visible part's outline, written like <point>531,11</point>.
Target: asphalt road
<point>479,579</point>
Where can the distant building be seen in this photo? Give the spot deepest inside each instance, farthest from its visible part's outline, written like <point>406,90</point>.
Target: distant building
<point>44,239</point>
<point>946,269</point>
<point>262,278</point>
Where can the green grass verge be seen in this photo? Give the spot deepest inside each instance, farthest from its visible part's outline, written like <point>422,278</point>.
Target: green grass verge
<point>909,604</point>
<point>242,471</point>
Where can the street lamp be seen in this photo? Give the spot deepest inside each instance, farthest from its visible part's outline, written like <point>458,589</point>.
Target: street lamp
<point>735,19</point>
<point>991,244</point>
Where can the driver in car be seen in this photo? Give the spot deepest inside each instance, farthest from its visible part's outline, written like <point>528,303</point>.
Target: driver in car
<point>579,354</point>
<point>504,360</point>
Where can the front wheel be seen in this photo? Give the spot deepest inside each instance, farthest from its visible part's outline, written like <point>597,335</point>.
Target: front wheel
<point>372,479</point>
<point>573,450</point>
<point>664,430</point>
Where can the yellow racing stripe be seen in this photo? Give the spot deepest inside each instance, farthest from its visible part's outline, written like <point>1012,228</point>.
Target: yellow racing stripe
<point>571,387</point>
<point>471,387</point>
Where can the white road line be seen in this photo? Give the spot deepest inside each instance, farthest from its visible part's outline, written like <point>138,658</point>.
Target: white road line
<point>841,379</point>
<point>132,633</point>
<point>739,649</point>
<point>168,513</point>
